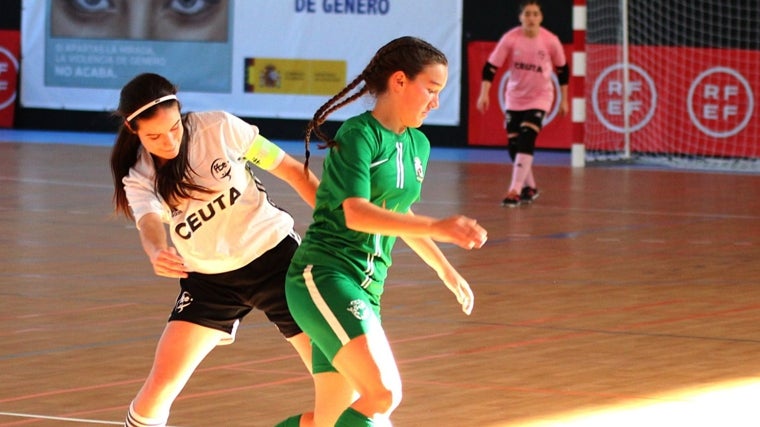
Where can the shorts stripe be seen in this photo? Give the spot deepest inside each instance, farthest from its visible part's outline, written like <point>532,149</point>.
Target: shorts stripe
<point>366,282</point>
<point>323,308</point>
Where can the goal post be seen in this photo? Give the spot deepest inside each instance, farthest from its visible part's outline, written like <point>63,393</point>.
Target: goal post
<point>673,82</point>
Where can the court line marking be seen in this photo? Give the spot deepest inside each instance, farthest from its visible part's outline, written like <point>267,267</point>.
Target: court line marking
<point>66,419</point>
<point>72,420</point>
<point>42,181</point>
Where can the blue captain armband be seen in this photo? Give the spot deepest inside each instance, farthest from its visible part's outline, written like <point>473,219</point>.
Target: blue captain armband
<point>264,154</point>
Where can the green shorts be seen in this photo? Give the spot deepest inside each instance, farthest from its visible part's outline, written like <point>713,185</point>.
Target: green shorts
<point>331,308</point>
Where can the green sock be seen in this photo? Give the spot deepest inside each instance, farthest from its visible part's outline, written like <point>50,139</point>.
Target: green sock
<point>352,418</point>
<point>293,421</point>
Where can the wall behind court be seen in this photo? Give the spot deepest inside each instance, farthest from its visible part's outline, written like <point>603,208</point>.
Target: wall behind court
<point>483,20</point>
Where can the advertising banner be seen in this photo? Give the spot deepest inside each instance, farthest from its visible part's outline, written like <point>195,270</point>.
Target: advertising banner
<point>253,58</point>
<point>9,49</point>
<point>705,105</point>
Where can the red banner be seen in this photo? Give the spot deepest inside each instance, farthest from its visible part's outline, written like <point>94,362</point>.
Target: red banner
<point>9,54</point>
<point>487,129</point>
<point>681,100</point>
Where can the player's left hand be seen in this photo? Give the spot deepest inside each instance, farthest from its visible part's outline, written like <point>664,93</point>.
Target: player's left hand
<point>461,289</point>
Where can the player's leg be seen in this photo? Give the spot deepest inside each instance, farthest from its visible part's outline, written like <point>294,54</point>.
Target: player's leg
<point>334,311</point>
<point>180,349</point>
<point>368,364</point>
<point>513,122</point>
<point>302,344</point>
<point>523,159</point>
<point>513,131</point>
<point>522,171</point>
<point>267,283</point>
<point>332,395</point>
<point>207,313</point>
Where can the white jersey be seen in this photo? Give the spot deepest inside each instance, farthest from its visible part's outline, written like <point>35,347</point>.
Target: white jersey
<point>234,224</point>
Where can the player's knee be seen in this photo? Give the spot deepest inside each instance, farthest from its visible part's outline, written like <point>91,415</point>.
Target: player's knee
<point>382,399</point>
<point>526,141</point>
<point>385,400</point>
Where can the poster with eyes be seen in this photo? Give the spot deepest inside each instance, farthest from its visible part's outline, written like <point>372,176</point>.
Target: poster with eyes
<point>94,44</point>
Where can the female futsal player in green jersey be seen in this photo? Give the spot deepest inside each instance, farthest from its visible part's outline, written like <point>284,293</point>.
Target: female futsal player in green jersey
<point>372,175</point>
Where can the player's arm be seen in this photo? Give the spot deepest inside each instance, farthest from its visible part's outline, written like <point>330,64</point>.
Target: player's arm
<point>429,252</point>
<point>563,77</point>
<point>305,183</point>
<point>268,156</point>
<point>487,75</point>
<point>165,260</point>
<point>361,215</point>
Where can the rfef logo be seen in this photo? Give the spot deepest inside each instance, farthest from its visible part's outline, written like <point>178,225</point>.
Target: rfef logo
<point>8,73</point>
<point>611,94</point>
<point>721,102</point>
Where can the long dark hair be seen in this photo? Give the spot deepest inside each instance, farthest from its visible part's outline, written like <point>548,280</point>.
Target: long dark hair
<point>408,54</point>
<point>174,177</point>
<point>526,3</point>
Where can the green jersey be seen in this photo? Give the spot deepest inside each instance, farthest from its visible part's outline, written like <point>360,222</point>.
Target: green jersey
<point>373,163</point>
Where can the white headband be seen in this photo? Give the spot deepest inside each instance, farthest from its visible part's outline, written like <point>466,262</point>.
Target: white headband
<point>150,104</point>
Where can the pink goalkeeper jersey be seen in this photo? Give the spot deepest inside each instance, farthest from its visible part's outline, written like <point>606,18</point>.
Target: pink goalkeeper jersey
<point>531,62</point>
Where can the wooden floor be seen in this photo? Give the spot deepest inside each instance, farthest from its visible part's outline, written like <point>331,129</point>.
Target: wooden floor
<point>623,296</point>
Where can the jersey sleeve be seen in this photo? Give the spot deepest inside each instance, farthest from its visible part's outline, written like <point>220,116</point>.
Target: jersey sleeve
<point>500,53</point>
<point>236,134</point>
<point>558,52</point>
<point>142,197</point>
<point>247,142</point>
<point>347,168</point>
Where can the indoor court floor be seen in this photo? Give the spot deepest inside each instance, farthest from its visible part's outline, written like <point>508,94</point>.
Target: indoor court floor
<point>624,296</point>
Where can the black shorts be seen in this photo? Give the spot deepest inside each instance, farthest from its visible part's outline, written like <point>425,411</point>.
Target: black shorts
<point>515,119</point>
<point>220,301</point>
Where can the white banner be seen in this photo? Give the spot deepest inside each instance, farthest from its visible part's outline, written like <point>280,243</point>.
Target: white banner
<point>253,58</point>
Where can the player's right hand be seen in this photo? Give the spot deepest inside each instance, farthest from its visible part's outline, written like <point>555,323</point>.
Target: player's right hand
<point>460,230</point>
<point>167,263</point>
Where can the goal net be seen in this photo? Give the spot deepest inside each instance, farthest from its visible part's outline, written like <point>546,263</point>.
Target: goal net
<point>674,82</point>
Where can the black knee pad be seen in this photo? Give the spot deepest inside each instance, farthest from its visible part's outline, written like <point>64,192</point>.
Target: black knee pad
<point>512,147</point>
<point>526,141</point>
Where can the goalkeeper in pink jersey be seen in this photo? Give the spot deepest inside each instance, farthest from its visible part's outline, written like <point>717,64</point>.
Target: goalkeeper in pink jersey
<point>532,53</point>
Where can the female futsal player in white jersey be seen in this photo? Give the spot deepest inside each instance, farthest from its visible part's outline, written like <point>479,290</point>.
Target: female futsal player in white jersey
<point>230,245</point>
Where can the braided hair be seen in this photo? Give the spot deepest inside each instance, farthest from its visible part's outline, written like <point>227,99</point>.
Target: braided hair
<point>408,54</point>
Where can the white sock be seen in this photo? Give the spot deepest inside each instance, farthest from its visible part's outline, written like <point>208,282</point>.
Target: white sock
<point>136,420</point>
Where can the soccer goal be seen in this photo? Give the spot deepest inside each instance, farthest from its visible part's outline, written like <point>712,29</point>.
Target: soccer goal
<point>673,82</point>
